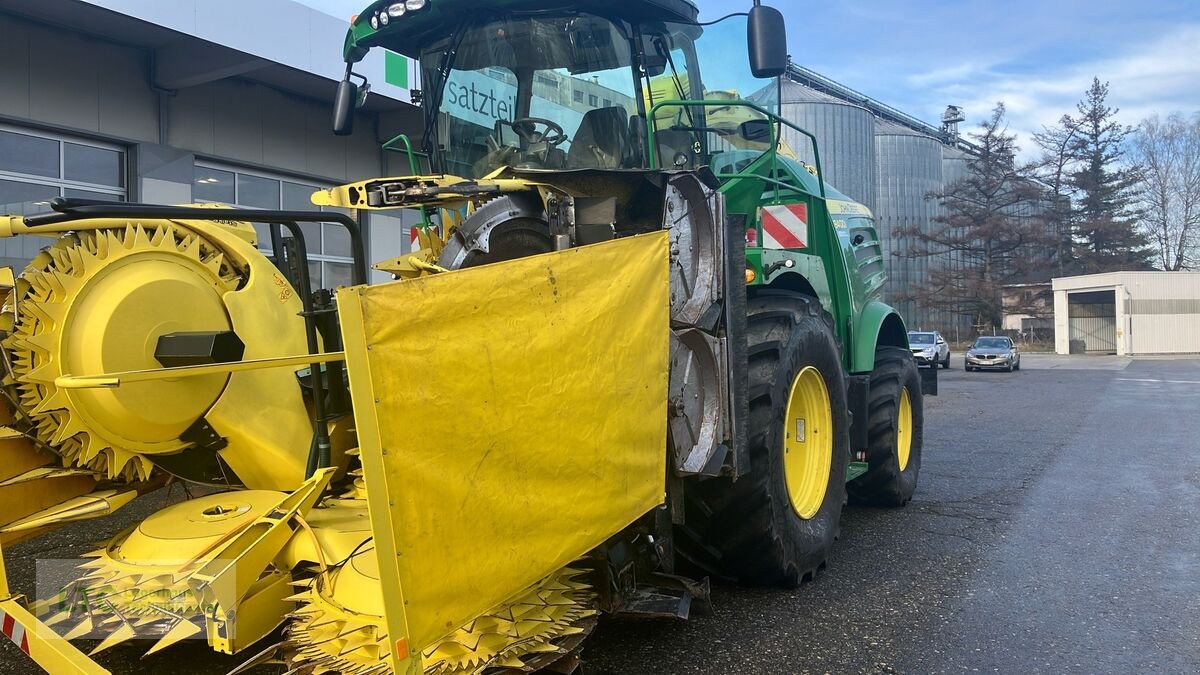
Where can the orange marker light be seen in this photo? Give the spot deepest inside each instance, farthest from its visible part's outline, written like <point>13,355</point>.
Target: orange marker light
<point>750,275</point>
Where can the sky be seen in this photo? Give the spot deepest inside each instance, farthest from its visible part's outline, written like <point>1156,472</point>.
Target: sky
<point>1037,56</point>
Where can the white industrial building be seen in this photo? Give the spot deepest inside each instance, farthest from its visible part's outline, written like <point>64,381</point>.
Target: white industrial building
<point>1127,313</point>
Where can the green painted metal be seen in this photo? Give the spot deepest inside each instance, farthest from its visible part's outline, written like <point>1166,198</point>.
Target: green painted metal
<point>829,264</point>
<point>870,324</point>
<point>856,469</point>
<point>846,277</point>
<point>403,139</point>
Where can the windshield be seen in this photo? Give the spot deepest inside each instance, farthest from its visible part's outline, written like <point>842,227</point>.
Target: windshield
<point>536,92</point>
<point>991,343</point>
<point>920,338</point>
<point>700,63</point>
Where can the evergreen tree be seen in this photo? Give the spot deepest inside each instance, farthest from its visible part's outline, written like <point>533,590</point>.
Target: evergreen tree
<point>1055,168</point>
<point>1106,233</point>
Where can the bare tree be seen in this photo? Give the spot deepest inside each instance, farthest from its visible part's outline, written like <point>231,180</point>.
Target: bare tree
<point>1169,154</point>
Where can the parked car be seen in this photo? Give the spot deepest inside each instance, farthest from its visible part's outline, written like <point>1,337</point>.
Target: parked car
<point>993,352</point>
<point>929,348</point>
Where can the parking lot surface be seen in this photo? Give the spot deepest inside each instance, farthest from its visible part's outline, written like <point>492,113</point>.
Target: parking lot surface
<point>1056,530</point>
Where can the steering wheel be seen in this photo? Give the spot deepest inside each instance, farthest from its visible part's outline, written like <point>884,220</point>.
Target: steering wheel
<point>526,128</point>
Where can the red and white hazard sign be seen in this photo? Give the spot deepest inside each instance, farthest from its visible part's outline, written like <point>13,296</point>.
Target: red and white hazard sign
<point>14,631</point>
<point>785,226</point>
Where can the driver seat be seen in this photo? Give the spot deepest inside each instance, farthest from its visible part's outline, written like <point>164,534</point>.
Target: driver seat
<point>600,140</point>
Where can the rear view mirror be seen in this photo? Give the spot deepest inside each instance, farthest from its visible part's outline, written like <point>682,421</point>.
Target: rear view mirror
<point>757,131</point>
<point>766,39</point>
<point>344,103</point>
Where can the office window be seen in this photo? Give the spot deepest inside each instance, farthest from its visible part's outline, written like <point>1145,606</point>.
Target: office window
<point>330,259</point>
<point>37,166</point>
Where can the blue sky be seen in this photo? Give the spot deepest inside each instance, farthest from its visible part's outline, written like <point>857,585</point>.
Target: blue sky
<point>1038,56</point>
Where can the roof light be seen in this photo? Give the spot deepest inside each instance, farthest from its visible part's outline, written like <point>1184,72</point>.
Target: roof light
<point>414,5</point>
<point>383,18</point>
<point>396,9</point>
<point>375,23</point>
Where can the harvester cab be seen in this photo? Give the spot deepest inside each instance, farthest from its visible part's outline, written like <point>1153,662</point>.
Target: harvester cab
<point>641,342</point>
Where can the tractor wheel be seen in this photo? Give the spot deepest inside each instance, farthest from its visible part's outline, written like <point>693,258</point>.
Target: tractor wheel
<point>776,523</point>
<point>895,425</point>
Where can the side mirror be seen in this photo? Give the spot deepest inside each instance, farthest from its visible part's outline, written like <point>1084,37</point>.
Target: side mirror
<point>344,104</point>
<point>766,39</point>
<point>756,131</point>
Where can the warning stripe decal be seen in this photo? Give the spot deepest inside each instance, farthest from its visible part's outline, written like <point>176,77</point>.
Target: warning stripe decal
<point>785,226</point>
<point>14,631</point>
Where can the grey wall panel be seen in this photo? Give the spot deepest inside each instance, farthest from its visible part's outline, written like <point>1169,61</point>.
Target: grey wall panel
<point>14,68</point>
<point>286,122</point>
<point>243,122</point>
<point>191,123</point>
<point>74,82</point>
<point>238,111</point>
<point>908,168</point>
<point>63,88</point>
<point>326,154</point>
<point>125,106</point>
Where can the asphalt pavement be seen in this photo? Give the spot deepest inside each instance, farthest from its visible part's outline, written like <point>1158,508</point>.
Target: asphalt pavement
<point>1056,529</point>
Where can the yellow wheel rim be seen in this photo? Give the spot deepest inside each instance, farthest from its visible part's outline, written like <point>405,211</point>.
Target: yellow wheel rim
<point>807,442</point>
<point>904,429</point>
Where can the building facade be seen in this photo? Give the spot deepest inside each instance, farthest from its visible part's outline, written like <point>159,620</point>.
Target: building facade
<point>173,103</point>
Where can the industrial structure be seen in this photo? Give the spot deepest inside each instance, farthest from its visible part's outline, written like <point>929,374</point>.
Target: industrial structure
<point>1127,313</point>
<point>890,161</point>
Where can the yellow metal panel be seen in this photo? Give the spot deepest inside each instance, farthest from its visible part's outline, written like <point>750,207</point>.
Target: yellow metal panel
<point>511,417</point>
<point>46,648</point>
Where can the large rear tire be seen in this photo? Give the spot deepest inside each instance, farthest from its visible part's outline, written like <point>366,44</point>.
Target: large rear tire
<point>776,524</point>
<point>895,425</point>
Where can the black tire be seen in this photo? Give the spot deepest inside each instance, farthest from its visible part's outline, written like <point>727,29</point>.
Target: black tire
<point>885,483</point>
<point>946,363</point>
<point>747,530</point>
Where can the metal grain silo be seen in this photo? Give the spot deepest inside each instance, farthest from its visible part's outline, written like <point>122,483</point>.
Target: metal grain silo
<point>845,137</point>
<point>908,167</point>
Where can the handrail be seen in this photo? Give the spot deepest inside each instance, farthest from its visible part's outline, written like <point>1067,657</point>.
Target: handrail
<point>773,151</point>
<point>408,150</point>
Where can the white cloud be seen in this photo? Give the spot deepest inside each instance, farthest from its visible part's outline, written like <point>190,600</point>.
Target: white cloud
<point>1161,76</point>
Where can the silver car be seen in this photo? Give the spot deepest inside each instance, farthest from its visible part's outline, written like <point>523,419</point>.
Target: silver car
<point>993,352</point>
<point>929,348</point>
